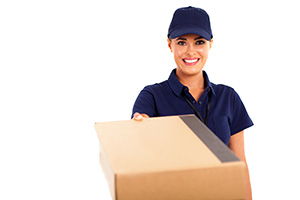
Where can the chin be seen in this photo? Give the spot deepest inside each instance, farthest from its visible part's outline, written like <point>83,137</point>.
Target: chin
<point>190,70</point>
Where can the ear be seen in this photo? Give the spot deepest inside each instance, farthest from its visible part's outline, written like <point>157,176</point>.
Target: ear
<point>169,43</point>
<point>210,43</point>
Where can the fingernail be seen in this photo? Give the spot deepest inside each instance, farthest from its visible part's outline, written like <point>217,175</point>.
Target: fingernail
<point>139,117</point>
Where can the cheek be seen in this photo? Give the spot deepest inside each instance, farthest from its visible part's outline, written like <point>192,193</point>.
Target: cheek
<point>203,51</point>
<point>176,54</point>
<point>206,50</point>
<point>179,52</point>
<point>177,58</point>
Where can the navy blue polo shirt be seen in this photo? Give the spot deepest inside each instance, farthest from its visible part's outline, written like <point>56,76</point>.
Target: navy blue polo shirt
<point>226,115</point>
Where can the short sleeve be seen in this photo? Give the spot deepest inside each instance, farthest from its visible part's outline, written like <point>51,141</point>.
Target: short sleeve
<point>145,103</point>
<point>239,118</point>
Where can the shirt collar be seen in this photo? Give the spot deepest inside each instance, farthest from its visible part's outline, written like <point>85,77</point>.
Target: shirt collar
<point>177,87</point>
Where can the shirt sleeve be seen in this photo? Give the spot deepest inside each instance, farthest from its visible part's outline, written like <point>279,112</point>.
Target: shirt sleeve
<point>145,103</point>
<point>239,118</point>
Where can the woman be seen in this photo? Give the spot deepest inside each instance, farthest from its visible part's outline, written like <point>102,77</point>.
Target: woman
<point>188,89</point>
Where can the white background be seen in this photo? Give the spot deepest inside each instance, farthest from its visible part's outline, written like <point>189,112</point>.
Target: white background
<point>67,64</point>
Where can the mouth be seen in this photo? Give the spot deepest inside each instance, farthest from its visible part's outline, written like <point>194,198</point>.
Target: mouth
<point>190,61</point>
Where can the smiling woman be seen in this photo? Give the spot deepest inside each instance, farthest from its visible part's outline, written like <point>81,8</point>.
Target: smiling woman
<point>190,54</point>
<point>190,50</point>
<point>188,89</point>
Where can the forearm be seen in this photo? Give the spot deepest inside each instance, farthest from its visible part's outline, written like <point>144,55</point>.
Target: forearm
<point>248,185</point>
<point>236,144</point>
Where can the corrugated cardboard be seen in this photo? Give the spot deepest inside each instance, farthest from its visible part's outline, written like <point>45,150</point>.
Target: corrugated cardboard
<point>174,157</point>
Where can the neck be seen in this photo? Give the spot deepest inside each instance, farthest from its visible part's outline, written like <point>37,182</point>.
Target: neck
<point>195,81</point>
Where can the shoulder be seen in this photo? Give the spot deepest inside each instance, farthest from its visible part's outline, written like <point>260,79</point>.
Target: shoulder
<point>153,88</point>
<point>221,89</point>
<point>226,93</point>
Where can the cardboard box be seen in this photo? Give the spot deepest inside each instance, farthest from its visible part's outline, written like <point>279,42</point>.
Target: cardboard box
<point>168,158</point>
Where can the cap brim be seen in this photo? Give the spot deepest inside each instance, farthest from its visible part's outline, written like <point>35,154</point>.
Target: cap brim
<point>187,30</point>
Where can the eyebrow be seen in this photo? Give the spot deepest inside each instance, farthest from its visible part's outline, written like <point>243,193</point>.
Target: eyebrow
<point>181,38</point>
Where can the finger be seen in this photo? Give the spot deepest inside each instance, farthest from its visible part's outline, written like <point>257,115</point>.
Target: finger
<point>137,116</point>
<point>145,115</point>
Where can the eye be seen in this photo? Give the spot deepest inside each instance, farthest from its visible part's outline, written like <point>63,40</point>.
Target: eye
<point>181,43</point>
<point>200,42</point>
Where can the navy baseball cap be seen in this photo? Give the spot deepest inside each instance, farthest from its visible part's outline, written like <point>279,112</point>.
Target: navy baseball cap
<point>190,20</point>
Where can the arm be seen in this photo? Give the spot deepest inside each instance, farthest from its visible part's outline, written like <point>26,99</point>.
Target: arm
<point>236,144</point>
<point>144,105</point>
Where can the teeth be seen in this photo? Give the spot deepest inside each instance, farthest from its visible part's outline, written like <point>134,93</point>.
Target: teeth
<point>191,61</point>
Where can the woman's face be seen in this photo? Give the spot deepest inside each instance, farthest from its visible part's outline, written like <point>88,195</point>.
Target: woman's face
<point>190,52</point>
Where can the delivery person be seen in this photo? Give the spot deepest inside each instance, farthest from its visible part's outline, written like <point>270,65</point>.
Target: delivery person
<point>188,89</point>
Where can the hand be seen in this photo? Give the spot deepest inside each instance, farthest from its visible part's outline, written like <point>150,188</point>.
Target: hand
<point>139,116</point>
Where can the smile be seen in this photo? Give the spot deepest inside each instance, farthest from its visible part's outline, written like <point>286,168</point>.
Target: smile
<point>190,61</point>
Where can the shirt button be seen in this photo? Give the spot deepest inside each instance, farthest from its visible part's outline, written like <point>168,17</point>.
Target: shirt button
<point>200,102</point>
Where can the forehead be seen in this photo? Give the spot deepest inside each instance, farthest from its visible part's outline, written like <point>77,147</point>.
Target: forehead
<point>189,36</point>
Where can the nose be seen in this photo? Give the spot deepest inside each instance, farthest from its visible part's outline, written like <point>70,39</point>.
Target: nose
<point>190,50</point>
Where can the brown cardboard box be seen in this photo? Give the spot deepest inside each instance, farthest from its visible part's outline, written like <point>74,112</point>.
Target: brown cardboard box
<point>168,158</point>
